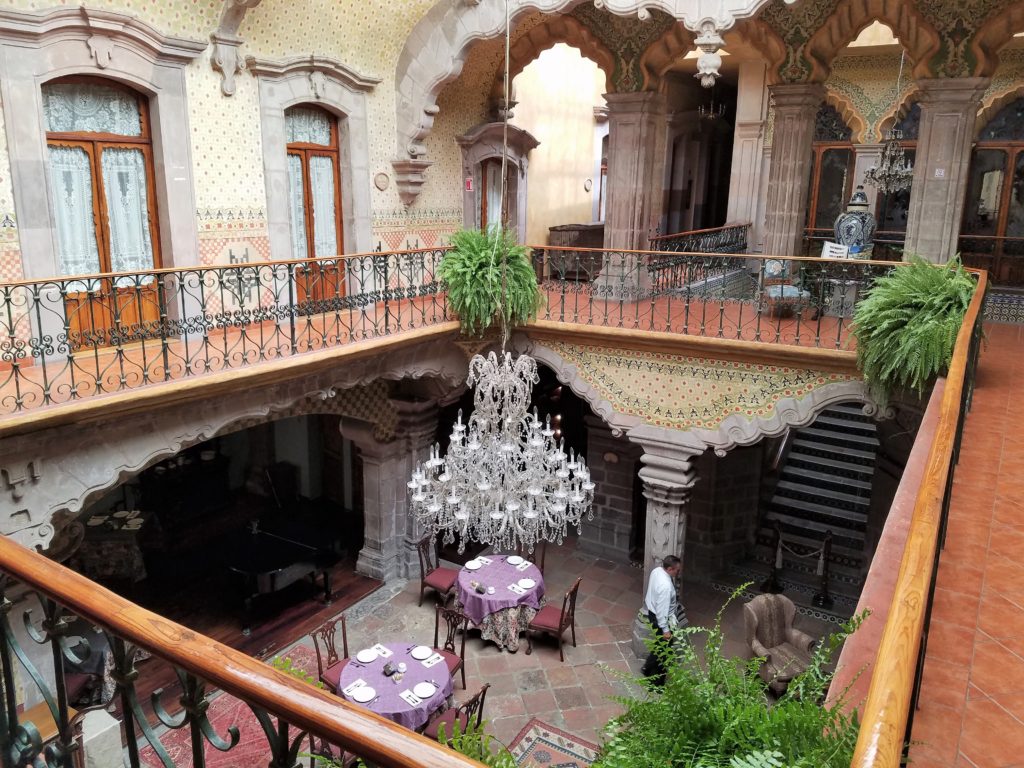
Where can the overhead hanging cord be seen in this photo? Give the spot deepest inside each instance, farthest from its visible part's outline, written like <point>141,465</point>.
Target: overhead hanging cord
<point>896,99</point>
<point>503,180</point>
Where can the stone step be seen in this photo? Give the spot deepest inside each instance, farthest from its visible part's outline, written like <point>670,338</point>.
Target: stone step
<point>819,492</point>
<point>812,445</point>
<point>837,436</point>
<point>824,477</point>
<point>838,464</point>
<point>844,423</point>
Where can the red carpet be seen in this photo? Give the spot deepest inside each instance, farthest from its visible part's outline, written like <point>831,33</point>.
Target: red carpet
<point>252,748</point>
<point>539,745</point>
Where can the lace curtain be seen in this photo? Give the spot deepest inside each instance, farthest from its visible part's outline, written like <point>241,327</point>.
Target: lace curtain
<point>71,182</point>
<point>89,107</point>
<point>307,126</point>
<point>124,186</point>
<point>325,215</point>
<point>493,192</point>
<point>298,207</point>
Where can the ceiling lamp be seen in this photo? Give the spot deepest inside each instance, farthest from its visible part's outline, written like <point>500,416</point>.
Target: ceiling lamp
<point>504,480</point>
<point>894,172</point>
<point>712,111</point>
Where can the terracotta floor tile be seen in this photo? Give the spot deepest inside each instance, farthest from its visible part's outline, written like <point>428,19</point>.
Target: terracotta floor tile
<point>945,683</point>
<point>965,579</point>
<point>995,669</point>
<point>922,756</point>
<point>955,608</point>
<point>999,617</point>
<point>950,643</point>
<point>1003,574</point>
<point>934,731</point>
<point>991,736</point>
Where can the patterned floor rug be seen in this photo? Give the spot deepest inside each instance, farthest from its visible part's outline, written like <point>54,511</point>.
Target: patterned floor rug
<point>539,745</point>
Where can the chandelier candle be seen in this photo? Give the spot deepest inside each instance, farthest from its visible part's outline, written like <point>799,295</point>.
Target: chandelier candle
<point>504,481</point>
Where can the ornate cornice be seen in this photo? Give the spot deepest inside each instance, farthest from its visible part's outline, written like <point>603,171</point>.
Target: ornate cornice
<point>311,65</point>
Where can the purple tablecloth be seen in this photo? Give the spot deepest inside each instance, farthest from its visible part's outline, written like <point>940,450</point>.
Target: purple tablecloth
<point>389,703</point>
<point>499,574</point>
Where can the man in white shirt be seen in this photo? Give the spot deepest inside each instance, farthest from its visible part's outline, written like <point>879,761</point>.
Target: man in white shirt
<point>660,603</point>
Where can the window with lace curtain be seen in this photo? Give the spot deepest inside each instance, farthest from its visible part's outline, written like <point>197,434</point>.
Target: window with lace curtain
<point>101,177</point>
<point>314,182</point>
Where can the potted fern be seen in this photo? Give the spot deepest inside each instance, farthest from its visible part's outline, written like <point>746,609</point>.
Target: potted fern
<point>489,279</point>
<point>907,325</point>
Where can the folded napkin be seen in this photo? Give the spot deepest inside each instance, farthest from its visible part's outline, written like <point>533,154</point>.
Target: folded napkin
<point>517,589</point>
<point>432,660</point>
<point>484,560</point>
<point>523,565</point>
<point>350,688</point>
<point>411,698</point>
<point>382,651</point>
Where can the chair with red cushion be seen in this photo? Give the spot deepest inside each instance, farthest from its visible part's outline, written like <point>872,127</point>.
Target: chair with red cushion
<point>457,622</point>
<point>463,714</point>
<point>328,661</point>
<point>552,622</point>
<point>431,574</point>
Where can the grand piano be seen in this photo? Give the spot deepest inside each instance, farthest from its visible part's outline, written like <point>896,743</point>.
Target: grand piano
<point>269,560</point>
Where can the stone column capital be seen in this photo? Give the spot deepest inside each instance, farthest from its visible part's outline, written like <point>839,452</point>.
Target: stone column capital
<point>951,91</point>
<point>417,422</point>
<point>797,95</point>
<point>640,101</point>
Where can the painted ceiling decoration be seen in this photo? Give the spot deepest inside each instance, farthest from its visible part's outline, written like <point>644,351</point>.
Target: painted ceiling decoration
<point>627,38</point>
<point>686,393</point>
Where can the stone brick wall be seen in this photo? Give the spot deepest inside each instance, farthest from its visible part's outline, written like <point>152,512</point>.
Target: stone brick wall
<point>722,512</point>
<point>613,466</point>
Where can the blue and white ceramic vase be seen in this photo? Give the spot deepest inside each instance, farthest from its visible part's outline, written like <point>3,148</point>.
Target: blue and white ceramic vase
<point>855,227</point>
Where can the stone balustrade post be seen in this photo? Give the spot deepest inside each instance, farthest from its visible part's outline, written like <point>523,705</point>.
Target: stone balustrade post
<point>949,107</point>
<point>796,106</point>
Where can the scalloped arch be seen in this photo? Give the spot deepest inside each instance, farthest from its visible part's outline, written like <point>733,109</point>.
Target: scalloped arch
<point>917,35</point>
<point>899,111</point>
<point>851,116</point>
<point>992,108</point>
<point>993,35</point>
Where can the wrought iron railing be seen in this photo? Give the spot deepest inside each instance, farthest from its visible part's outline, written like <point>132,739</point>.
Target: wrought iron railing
<point>1003,257</point>
<point>288,710</point>
<point>805,302</point>
<point>65,339</point>
<point>887,245</point>
<point>732,238</point>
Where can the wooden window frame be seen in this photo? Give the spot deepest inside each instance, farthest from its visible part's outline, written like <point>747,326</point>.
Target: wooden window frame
<point>304,150</point>
<point>819,148</point>
<point>93,143</point>
<point>494,162</point>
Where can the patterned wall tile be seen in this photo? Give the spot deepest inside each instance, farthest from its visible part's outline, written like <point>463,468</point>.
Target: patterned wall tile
<point>186,18</point>
<point>868,84</point>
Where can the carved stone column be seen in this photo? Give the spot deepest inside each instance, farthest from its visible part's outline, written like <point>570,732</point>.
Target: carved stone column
<point>637,135</point>
<point>748,144</point>
<point>389,537</point>
<point>948,110</point>
<point>796,105</point>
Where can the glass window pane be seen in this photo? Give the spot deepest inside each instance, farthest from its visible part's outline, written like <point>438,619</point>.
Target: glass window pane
<point>307,126</point>
<point>124,185</point>
<point>298,207</point>
<point>70,107</point>
<point>492,171</point>
<point>832,176</point>
<point>325,211</point>
<point>893,206</point>
<point>1015,216</point>
<point>71,187</point>
<point>984,192</point>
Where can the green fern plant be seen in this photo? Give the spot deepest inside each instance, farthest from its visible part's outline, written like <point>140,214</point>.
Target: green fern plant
<point>714,712</point>
<point>907,325</point>
<point>488,277</point>
<point>286,665</point>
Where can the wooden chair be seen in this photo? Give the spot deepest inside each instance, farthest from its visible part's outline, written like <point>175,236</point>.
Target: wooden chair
<point>455,621</point>
<point>322,754</point>
<point>781,292</point>
<point>431,574</point>
<point>552,622</point>
<point>463,714</point>
<point>768,621</point>
<point>538,555</point>
<point>329,663</point>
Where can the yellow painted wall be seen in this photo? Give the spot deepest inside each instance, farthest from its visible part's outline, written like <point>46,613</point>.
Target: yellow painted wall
<point>557,94</point>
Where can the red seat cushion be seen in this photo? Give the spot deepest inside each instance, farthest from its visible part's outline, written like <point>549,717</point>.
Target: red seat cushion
<point>332,675</point>
<point>547,617</point>
<point>447,719</point>
<point>451,660</point>
<point>442,579</point>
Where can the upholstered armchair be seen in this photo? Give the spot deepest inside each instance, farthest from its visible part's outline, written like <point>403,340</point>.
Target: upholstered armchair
<point>770,633</point>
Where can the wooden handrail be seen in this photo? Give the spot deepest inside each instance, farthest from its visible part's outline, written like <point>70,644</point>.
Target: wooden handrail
<point>885,712</point>
<point>712,255</point>
<point>689,232</point>
<point>303,706</point>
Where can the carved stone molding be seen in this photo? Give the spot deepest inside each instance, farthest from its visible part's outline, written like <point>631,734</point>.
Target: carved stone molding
<point>316,68</point>
<point>225,57</point>
<point>410,176</point>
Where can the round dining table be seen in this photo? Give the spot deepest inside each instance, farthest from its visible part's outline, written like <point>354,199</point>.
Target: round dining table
<point>388,701</point>
<point>500,612</point>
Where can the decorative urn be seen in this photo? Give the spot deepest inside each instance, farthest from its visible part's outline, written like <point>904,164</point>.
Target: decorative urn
<point>855,227</point>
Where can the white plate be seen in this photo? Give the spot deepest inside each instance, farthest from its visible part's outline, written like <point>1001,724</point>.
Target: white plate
<point>97,522</point>
<point>513,559</point>
<point>122,513</point>
<point>366,656</point>
<point>420,652</point>
<point>527,583</point>
<point>472,565</point>
<point>363,694</point>
<point>424,690</point>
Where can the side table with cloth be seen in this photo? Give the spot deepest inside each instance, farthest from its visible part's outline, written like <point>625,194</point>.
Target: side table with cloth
<point>503,615</point>
<point>389,702</point>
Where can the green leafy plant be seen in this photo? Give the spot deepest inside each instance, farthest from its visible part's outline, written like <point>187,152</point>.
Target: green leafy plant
<point>286,665</point>
<point>488,278</point>
<point>907,325</point>
<point>714,712</point>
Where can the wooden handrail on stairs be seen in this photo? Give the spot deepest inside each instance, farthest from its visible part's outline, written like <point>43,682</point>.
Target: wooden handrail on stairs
<point>354,728</point>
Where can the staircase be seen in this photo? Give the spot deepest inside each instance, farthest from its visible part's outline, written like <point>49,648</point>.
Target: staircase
<point>824,485</point>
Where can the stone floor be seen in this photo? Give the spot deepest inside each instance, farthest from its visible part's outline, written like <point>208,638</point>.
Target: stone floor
<point>575,695</point>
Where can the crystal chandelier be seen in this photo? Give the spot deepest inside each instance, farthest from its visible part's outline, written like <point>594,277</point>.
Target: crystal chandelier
<point>712,111</point>
<point>504,480</point>
<point>894,172</point>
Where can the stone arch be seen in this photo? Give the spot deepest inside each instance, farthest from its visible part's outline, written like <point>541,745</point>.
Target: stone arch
<point>992,107</point>
<point>763,38</point>
<point>663,53</point>
<point>896,113</point>
<point>993,34</point>
<point>916,34</point>
<point>558,29</point>
<point>851,116</point>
